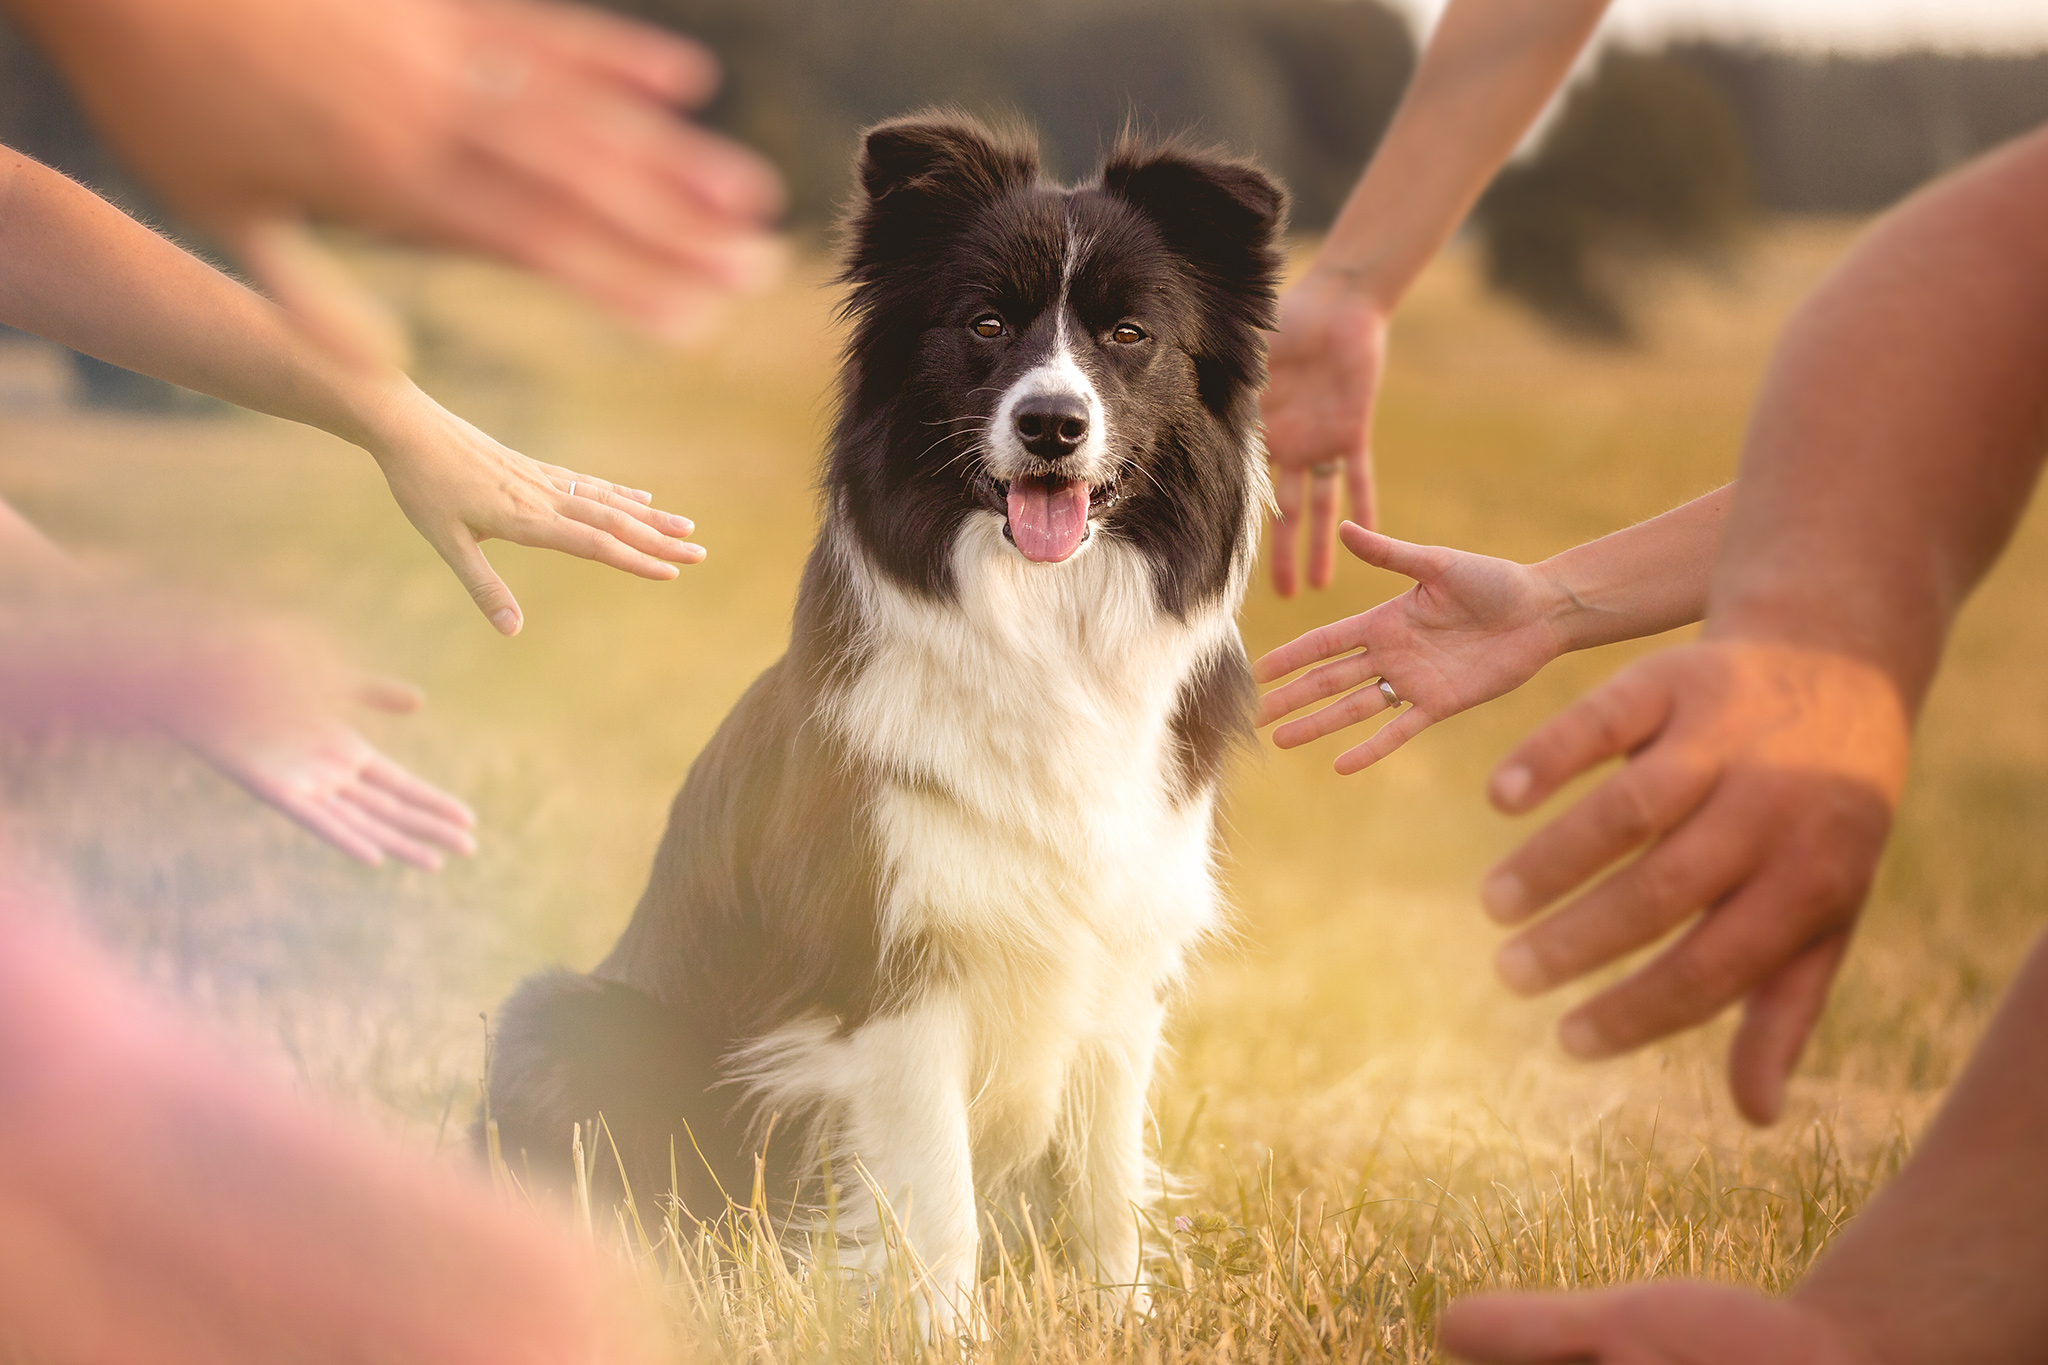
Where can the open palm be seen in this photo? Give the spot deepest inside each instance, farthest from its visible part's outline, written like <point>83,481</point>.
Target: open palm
<point>1472,628</point>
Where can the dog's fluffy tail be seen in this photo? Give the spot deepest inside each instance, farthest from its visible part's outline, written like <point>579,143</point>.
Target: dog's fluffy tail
<point>570,1049</point>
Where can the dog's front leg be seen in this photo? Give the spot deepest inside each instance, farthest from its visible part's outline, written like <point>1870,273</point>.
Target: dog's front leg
<point>1110,1188</point>
<point>906,1124</point>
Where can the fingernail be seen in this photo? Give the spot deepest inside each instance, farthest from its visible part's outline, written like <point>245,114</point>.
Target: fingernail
<point>1510,785</point>
<point>506,619</point>
<point>1503,897</point>
<point>641,495</point>
<point>682,526</point>
<point>1517,965</point>
<point>694,553</point>
<point>1580,1038</point>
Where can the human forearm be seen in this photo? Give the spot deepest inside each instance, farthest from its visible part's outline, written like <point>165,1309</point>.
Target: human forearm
<point>77,270</point>
<point>1947,1263</point>
<point>1489,69</point>
<point>1650,578</point>
<point>1900,429</point>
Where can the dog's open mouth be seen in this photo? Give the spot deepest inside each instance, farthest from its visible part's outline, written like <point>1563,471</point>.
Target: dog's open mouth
<point>1048,515</point>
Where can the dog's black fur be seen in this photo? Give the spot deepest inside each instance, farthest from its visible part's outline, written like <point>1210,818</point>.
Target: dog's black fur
<point>762,905</point>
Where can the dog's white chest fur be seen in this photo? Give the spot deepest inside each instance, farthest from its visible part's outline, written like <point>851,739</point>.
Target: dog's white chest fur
<point>1034,839</point>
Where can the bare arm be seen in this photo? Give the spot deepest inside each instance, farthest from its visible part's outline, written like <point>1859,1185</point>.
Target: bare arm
<point>1490,68</point>
<point>77,270</point>
<point>1474,627</point>
<point>1896,442</point>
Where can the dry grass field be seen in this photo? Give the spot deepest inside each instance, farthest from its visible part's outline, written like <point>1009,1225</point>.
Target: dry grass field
<point>1364,1122</point>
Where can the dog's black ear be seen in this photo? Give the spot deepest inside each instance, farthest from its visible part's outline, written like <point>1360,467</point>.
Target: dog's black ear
<point>919,176</point>
<point>1222,215</point>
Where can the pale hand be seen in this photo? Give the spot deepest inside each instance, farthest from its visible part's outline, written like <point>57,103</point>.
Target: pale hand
<point>458,487</point>
<point>535,132</point>
<point>1324,368</point>
<point>1760,782</point>
<point>315,769</point>
<point>1672,1322</point>
<point>1471,629</point>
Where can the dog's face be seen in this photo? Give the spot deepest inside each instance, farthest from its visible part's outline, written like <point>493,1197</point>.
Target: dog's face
<point>1080,364</point>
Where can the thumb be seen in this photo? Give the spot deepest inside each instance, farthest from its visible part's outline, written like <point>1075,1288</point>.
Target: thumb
<point>395,695</point>
<point>1776,1022</point>
<point>305,279</point>
<point>1420,562</point>
<point>488,590</point>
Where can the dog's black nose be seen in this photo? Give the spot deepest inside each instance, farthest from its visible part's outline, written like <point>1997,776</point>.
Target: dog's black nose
<point>1051,424</point>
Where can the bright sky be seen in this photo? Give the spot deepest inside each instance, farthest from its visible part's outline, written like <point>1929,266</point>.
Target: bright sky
<point>1860,25</point>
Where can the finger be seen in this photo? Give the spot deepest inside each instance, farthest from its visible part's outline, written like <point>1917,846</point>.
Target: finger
<point>309,284</point>
<point>316,816</point>
<point>630,531</point>
<point>1288,493</point>
<point>390,837</point>
<point>1526,1329</point>
<point>1353,707</point>
<point>662,523</point>
<point>671,187</point>
<point>1322,531</point>
<point>382,772</point>
<point>1358,483</point>
<point>1701,861</point>
<point>1777,1020</point>
<point>1320,643</point>
<point>1745,940</point>
<point>660,64</point>
<point>1314,685</point>
<point>410,823</point>
<point>1611,721</point>
<point>1388,738</point>
<point>565,477</point>
<point>588,542</point>
<point>486,589</point>
<point>1419,562</point>
<point>488,209</point>
<point>395,695</point>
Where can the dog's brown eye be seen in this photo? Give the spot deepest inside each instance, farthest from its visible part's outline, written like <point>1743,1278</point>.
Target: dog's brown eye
<point>988,325</point>
<point>1127,333</point>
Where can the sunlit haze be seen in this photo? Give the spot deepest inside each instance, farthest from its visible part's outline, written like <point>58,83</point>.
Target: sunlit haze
<point>1860,25</point>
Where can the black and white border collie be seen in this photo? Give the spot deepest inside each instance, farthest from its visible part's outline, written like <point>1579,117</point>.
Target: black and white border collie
<point>923,900</point>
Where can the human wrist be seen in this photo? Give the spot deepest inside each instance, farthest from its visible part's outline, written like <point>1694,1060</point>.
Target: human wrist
<point>1355,282</point>
<point>1574,615</point>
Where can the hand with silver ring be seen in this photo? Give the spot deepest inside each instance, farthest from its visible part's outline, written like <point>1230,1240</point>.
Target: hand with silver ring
<point>1471,628</point>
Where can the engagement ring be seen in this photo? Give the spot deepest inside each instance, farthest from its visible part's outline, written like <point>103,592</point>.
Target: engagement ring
<point>572,488</point>
<point>1387,691</point>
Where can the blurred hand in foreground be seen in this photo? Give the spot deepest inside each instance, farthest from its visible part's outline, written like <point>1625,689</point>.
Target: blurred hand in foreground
<point>158,1203</point>
<point>1669,1323</point>
<point>1325,365</point>
<point>1759,785</point>
<point>535,132</point>
<point>259,702</point>
<point>296,754</point>
<point>1471,629</point>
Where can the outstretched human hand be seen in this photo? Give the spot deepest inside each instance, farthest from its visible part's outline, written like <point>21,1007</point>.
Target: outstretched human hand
<point>1672,1322</point>
<point>307,763</point>
<point>1759,784</point>
<point>1325,364</point>
<point>459,487</point>
<point>1472,628</point>
<point>538,133</point>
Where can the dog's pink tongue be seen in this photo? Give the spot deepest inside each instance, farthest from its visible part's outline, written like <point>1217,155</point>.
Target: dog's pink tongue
<point>1048,523</point>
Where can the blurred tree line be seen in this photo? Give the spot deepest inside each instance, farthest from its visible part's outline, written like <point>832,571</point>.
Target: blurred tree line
<point>1653,153</point>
